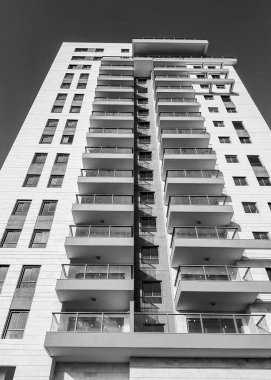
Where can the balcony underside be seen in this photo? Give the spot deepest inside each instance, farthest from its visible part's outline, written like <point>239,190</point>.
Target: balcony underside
<point>115,139</point>
<point>112,121</point>
<point>188,161</point>
<point>113,106</point>
<point>177,107</point>
<point>214,251</point>
<point>106,185</point>
<point>108,161</point>
<point>181,122</point>
<point>192,215</point>
<point>114,92</point>
<point>117,81</point>
<point>171,140</point>
<point>193,186</point>
<point>175,93</point>
<point>109,213</point>
<point>120,347</point>
<point>98,295</point>
<point>100,250</point>
<point>214,296</point>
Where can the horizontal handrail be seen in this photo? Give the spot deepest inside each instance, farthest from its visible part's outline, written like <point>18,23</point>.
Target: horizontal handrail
<point>104,199</point>
<point>184,131</point>
<point>107,173</point>
<point>200,200</point>
<point>174,87</point>
<point>103,99</point>
<point>105,149</point>
<point>99,231</point>
<point>171,76</point>
<point>215,273</point>
<point>193,174</point>
<point>177,100</point>
<point>189,151</point>
<point>204,233</point>
<point>97,272</point>
<point>101,113</point>
<point>111,130</point>
<point>119,76</point>
<point>104,86</point>
<point>179,114</point>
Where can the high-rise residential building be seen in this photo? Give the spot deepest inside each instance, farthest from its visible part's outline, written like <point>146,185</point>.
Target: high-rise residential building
<point>136,220</point>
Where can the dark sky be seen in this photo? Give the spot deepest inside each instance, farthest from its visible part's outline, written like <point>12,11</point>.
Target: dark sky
<point>31,32</point>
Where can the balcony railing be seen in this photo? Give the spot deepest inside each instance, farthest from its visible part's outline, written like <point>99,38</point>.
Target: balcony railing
<point>214,273</point>
<point>174,87</point>
<point>172,76</point>
<point>179,114</point>
<point>187,131</point>
<point>96,272</point>
<point>198,323</point>
<point>119,114</point>
<point>101,231</point>
<point>105,149</point>
<point>194,174</point>
<point>200,200</point>
<point>107,173</point>
<point>106,100</point>
<point>115,87</point>
<point>114,76</point>
<point>188,151</point>
<point>112,130</point>
<point>177,100</point>
<point>205,233</point>
<point>104,199</point>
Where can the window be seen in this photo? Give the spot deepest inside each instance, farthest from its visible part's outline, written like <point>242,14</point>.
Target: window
<point>10,238</point>
<point>46,139</point>
<point>65,85</point>
<point>80,49</point>
<point>81,85</point>
<point>71,123</point>
<point>220,86</point>
<point>57,109</point>
<point>29,276</point>
<point>250,207</point>
<point>268,271</point>
<point>99,50</point>
<point>143,124</point>
<point>240,181</point>
<point>224,140</point>
<point>245,140</point>
<point>231,159</point>
<point>61,97</point>
<point>67,139</point>
<point>225,98</point>
<point>201,76</point>
<point>55,180</point>
<point>39,239</point>
<point>15,324</point>
<point>213,109</point>
<point>144,139</point>
<point>150,254</point>
<point>39,158</point>
<point>204,86</point>
<point>125,50</point>
<point>261,235</point>
<point>31,180</point>
<point>72,67</point>
<point>87,67</point>
<point>215,76</point>
<point>146,175</point>
<point>3,273</point>
<point>208,97</point>
<point>269,205</point>
<point>264,181</point>
<point>148,224</point>
<point>21,208</point>
<point>145,156</point>
<point>61,158</point>
<point>238,125</point>
<point>197,67</point>
<point>75,109</point>
<point>219,124</point>
<point>231,109</point>
<point>147,197</point>
<point>143,112</point>
<point>254,161</point>
<point>78,97</point>
<point>211,67</point>
<point>151,291</point>
<point>48,208</point>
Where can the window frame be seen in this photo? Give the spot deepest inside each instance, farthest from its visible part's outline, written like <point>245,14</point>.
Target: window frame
<point>8,320</point>
<point>250,207</point>
<point>43,205</point>
<point>32,243</point>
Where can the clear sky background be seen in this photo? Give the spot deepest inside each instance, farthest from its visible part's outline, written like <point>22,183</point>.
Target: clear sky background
<point>31,32</point>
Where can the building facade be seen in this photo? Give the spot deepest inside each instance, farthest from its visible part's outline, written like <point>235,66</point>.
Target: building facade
<point>136,220</point>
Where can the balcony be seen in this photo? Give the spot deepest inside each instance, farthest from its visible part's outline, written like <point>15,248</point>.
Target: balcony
<point>117,136</point>
<point>181,120</point>
<point>175,92</point>
<point>92,208</point>
<point>114,91</point>
<point>112,119</point>
<point>186,137</point>
<point>172,70</point>
<point>177,104</point>
<point>198,209</point>
<point>168,80</point>
<point>105,157</point>
<point>188,158</point>
<point>104,337</point>
<point>111,79</point>
<point>194,182</point>
<point>101,244</point>
<point>117,69</point>
<point>106,181</point>
<point>197,245</point>
<point>219,287</point>
<point>104,104</point>
<point>117,61</point>
<point>91,287</point>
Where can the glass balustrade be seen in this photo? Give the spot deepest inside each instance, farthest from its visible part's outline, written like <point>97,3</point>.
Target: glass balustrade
<point>104,199</point>
<point>201,200</point>
<point>96,272</point>
<point>176,100</point>
<point>193,174</point>
<point>205,233</point>
<point>179,131</point>
<point>87,231</point>
<point>107,173</point>
<point>188,151</point>
<point>112,130</point>
<point>179,114</point>
<point>120,114</point>
<point>106,150</point>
